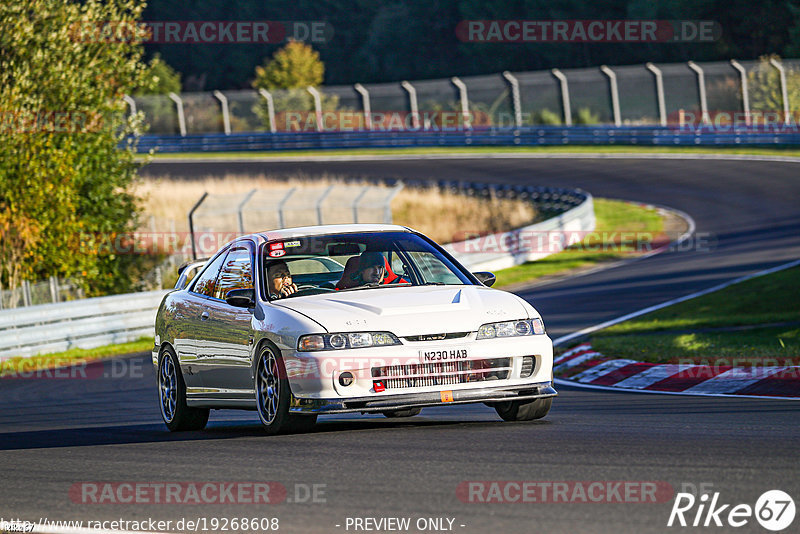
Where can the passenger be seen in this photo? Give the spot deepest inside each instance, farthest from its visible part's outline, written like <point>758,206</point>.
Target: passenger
<point>371,268</point>
<point>368,268</point>
<point>279,280</point>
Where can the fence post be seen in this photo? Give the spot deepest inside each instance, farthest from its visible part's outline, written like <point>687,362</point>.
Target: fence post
<point>745,96</point>
<point>462,93</point>
<point>240,208</point>
<point>365,105</point>
<point>412,101</point>
<point>53,289</point>
<point>26,293</point>
<point>131,104</point>
<point>357,200</point>
<point>387,203</point>
<point>564,96</point>
<point>320,200</point>
<point>701,86</point>
<point>181,117</point>
<point>282,202</point>
<point>516,103</point>
<point>270,108</point>
<point>226,117</point>
<point>612,81</point>
<point>317,106</point>
<point>662,107</point>
<point>191,223</point>
<point>784,93</point>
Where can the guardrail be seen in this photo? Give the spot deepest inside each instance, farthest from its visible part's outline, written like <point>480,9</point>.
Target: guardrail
<point>86,323</point>
<point>529,243</point>
<point>522,136</point>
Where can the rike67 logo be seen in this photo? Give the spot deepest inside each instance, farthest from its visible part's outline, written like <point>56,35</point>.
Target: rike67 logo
<point>774,510</point>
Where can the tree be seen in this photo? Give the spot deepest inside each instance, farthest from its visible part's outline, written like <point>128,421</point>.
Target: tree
<point>160,78</point>
<point>292,69</point>
<point>66,159</point>
<point>295,66</point>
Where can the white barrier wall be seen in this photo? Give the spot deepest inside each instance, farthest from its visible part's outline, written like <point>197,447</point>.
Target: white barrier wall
<point>85,323</point>
<point>530,243</point>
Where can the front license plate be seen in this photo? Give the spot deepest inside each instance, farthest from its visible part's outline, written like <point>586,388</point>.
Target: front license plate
<point>443,355</point>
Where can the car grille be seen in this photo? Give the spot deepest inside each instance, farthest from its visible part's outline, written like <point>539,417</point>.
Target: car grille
<point>437,374</point>
<point>437,337</point>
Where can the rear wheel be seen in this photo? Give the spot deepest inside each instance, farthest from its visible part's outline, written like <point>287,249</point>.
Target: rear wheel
<point>273,396</point>
<point>409,412</point>
<point>523,410</point>
<point>172,396</point>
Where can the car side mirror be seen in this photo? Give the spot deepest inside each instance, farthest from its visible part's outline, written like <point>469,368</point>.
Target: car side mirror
<point>486,278</point>
<point>241,298</point>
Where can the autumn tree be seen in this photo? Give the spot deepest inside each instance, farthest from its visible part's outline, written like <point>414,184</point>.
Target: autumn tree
<point>66,155</point>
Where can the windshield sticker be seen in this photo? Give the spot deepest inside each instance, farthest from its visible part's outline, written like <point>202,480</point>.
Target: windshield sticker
<point>290,244</point>
<point>276,253</point>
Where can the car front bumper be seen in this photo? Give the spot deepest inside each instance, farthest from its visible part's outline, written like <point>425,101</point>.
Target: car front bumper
<point>379,404</point>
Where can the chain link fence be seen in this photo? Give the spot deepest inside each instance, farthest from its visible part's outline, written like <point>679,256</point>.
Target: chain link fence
<point>626,95</point>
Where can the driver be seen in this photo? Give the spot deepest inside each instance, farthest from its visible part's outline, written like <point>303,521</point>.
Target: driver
<point>279,280</point>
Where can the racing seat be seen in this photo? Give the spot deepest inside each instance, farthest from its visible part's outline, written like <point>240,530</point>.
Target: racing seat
<point>350,269</point>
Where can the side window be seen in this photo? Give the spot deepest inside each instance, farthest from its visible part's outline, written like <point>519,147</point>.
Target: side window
<point>237,272</point>
<point>206,282</point>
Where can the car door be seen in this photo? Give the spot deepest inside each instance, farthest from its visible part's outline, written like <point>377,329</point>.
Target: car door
<point>230,344</point>
<point>191,341</point>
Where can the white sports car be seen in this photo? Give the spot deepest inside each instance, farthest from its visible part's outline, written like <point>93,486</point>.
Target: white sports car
<point>300,322</point>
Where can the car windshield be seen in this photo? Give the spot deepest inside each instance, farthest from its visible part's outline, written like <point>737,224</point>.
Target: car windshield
<point>353,262</point>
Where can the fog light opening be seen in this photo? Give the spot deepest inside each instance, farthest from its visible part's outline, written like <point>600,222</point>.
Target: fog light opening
<point>527,366</point>
<point>346,378</point>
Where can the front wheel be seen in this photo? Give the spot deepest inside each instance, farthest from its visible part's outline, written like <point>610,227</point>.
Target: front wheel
<point>523,410</point>
<point>172,396</point>
<point>273,396</point>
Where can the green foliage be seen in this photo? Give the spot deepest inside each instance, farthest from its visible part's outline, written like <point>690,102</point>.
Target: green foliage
<point>764,86</point>
<point>289,73</point>
<point>546,116</point>
<point>295,66</point>
<point>585,116</point>
<point>64,183</point>
<point>160,78</point>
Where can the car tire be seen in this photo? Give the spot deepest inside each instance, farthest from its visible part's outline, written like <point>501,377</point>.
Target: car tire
<point>273,395</point>
<point>408,412</point>
<point>523,410</point>
<point>172,396</point>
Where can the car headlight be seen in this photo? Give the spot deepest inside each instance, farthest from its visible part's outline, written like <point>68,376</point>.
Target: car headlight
<point>346,340</point>
<point>525,327</point>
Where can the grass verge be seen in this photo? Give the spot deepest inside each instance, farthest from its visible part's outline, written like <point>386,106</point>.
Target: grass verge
<point>605,244</point>
<point>572,149</point>
<point>753,322</point>
<point>21,365</point>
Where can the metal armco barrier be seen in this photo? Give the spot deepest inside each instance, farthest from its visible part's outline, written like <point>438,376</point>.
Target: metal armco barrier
<point>506,249</point>
<point>83,323</point>
<point>522,136</point>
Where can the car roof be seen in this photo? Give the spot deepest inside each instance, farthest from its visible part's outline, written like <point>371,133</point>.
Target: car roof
<point>304,231</point>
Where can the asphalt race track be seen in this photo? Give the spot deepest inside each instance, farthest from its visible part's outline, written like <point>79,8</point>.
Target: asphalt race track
<point>55,433</point>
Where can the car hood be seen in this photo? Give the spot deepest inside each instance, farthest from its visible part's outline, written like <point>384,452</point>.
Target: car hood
<point>407,311</point>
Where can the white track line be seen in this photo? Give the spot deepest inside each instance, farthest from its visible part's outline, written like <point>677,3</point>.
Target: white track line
<point>560,382</point>
<point>643,311</point>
